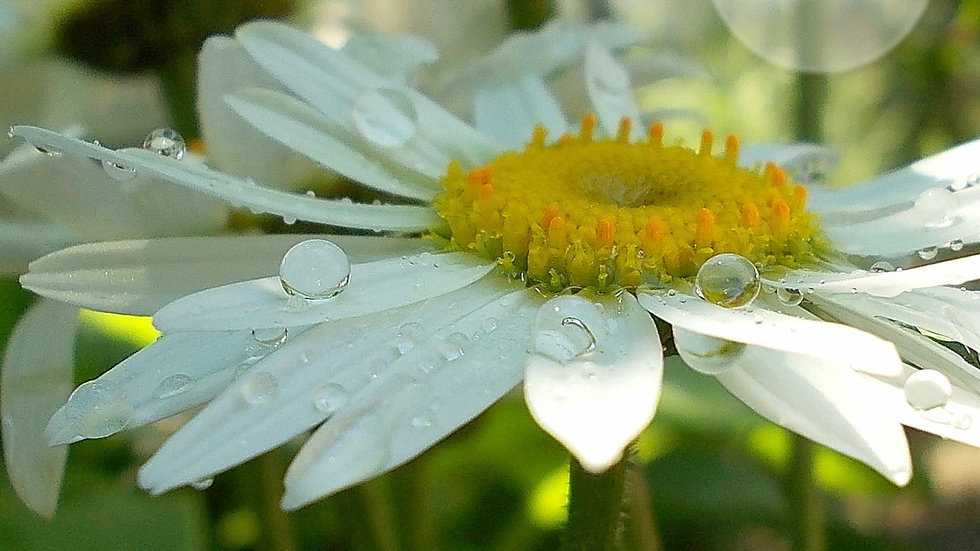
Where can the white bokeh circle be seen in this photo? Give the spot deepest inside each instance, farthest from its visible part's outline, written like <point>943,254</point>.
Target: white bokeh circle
<point>820,36</point>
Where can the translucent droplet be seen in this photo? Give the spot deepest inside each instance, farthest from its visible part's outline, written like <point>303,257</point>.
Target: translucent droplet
<point>98,409</point>
<point>928,253</point>
<point>962,421</point>
<point>820,36</point>
<point>409,336</point>
<point>565,328</point>
<point>927,389</point>
<point>935,206</point>
<point>259,388</point>
<point>46,150</point>
<point>789,297</point>
<point>272,337</point>
<point>330,398</point>
<point>202,484</point>
<point>314,269</point>
<point>172,386</point>
<point>705,354</point>
<point>421,422</point>
<point>118,172</point>
<point>385,117</point>
<point>452,346</point>
<point>167,142</point>
<point>956,245</point>
<point>882,266</point>
<point>728,280</point>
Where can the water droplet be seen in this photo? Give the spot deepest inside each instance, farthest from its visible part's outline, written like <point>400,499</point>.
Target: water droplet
<point>956,245</point>
<point>707,355</point>
<point>202,484</point>
<point>272,337</point>
<point>385,116</point>
<point>98,409</point>
<point>421,422</point>
<point>789,297</point>
<point>452,346</point>
<point>962,421</point>
<point>289,220</point>
<point>927,389</point>
<point>167,142</point>
<point>882,266</point>
<point>565,328</point>
<point>490,324</point>
<point>314,269</point>
<point>118,172</point>
<point>329,399</point>
<point>51,152</point>
<point>409,336</point>
<point>935,207</point>
<point>172,386</point>
<point>259,388</point>
<point>728,280</point>
<point>928,253</point>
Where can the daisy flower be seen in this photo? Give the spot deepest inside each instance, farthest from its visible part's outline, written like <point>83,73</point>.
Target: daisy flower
<point>551,262</point>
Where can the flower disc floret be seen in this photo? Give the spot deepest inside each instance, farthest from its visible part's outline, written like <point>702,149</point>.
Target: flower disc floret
<point>611,213</point>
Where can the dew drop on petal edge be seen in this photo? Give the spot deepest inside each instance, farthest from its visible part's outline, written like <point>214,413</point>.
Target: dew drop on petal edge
<point>173,385</point>
<point>314,269</point>
<point>167,142</point>
<point>260,388</point>
<point>927,389</point>
<point>728,280</point>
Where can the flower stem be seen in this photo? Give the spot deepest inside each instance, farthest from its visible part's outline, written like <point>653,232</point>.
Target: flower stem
<point>595,504</point>
<point>807,512</point>
<point>178,82</point>
<point>642,527</point>
<point>277,528</point>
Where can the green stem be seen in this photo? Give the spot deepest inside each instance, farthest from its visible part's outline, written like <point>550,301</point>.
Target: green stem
<point>528,14</point>
<point>642,526</point>
<point>178,78</point>
<point>595,505</point>
<point>807,510</point>
<point>374,499</point>
<point>277,530</point>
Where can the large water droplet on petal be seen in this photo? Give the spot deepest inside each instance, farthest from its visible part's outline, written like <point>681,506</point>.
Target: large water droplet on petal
<point>167,142</point>
<point>956,245</point>
<point>928,253</point>
<point>409,336</point>
<point>927,389</point>
<point>452,346</point>
<point>882,266</point>
<point>566,327</point>
<point>260,387</point>
<point>272,337</point>
<point>385,117</point>
<point>728,280</point>
<point>330,398</point>
<point>936,207</point>
<point>172,386</point>
<point>314,269</point>
<point>98,409</point>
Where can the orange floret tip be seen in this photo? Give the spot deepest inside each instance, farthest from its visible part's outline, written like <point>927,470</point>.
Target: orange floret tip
<point>780,213</point>
<point>625,126</point>
<point>588,127</point>
<point>606,230</point>
<point>731,149</point>
<point>549,213</point>
<point>657,133</point>
<point>655,229</point>
<point>196,145</point>
<point>556,229</point>
<point>707,140</point>
<point>538,135</point>
<point>775,176</point>
<point>750,215</point>
<point>704,233</point>
<point>486,190</point>
<point>799,197</point>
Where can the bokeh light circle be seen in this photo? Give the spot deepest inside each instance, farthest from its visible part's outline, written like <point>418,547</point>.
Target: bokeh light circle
<point>820,36</point>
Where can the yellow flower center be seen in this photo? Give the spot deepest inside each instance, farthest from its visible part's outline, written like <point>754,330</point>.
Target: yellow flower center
<point>610,214</point>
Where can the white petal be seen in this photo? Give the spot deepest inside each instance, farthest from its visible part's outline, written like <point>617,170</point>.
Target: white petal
<point>316,375</point>
<point>597,402</point>
<point>884,284</point>
<point>177,372</point>
<point>914,347</point>
<point>609,89</point>
<point>141,276</point>
<point>416,403</point>
<point>958,420</point>
<point>24,239</point>
<point>828,341</point>
<point>337,86</point>
<point>233,145</point>
<point>395,57</point>
<point>508,112</point>
<point>241,192</point>
<point>825,401</point>
<point>302,129</point>
<point>373,287</point>
<point>954,168</point>
<point>36,378</point>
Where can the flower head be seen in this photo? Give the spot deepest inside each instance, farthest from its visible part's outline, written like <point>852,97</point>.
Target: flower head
<point>542,262</point>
